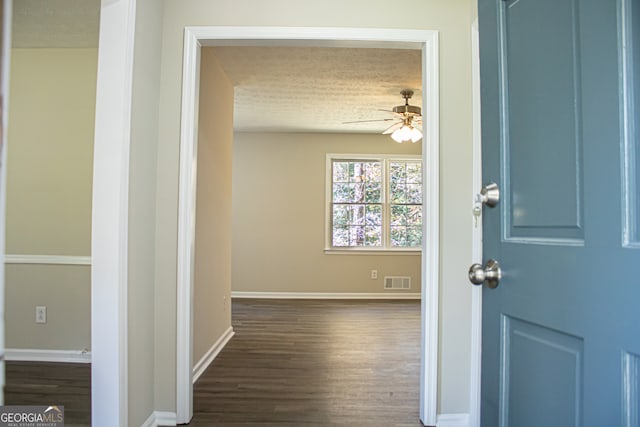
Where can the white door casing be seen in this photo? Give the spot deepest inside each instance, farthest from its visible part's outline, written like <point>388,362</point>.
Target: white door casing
<point>195,38</point>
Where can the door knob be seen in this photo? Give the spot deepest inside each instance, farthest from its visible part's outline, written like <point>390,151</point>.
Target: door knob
<point>490,194</point>
<point>489,274</point>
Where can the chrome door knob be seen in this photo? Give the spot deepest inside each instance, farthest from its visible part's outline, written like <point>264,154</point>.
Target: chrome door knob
<point>490,194</point>
<point>489,274</point>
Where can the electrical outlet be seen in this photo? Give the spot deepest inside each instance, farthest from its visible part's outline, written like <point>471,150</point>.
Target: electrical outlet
<point>374,274</point>
<point>41,314</point>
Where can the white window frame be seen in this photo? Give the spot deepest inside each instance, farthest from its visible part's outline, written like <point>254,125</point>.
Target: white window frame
<point>382,250</point>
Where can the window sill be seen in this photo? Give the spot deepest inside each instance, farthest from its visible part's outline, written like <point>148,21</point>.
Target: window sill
<point>372,251</point>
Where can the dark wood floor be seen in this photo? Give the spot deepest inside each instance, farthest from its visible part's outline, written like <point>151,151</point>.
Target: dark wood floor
<point>291,362</point>
<point>309,362</point>
<point>67,384</point>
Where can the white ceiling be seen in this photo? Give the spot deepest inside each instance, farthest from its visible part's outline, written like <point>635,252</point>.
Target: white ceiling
<point>285,89</point>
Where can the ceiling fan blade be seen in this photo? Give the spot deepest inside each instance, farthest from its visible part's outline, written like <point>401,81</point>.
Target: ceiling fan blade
<point>367,121</point>
<point>393,127</point>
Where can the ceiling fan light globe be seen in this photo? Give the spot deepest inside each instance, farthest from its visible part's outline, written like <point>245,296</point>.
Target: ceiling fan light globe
<point>415,135</point>
<point>396,135</point>
<point>406,133</point>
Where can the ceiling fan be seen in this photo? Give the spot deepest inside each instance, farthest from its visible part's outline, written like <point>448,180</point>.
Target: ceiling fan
<point>408,119</point>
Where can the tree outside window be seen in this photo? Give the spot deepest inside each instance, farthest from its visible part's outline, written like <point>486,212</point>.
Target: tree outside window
<point>376,203</point>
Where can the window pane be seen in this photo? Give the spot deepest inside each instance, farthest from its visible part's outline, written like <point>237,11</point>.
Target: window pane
<point>398,171</point>
<point>398,236</point>
<point>340,171</point>
<point>398,215</point>
<point>414,193</point>
<point>373,193</point>
<point>406,236</point>
<point>405,182</point>
<point>373,236</point>
<point>414,172</point>
<point>406,226</point>
<point>341,193</point>
<point>340,215</point>
<point>361,171</point>
<point>414,236</point>
<point>340,236</point>
<point>357,181</point>
<point>414,215</point>
<point>357,225</point>
<point>398,192</point>
<point>357,192</point>
<point>406,203</point>
<point>356,236</point>
<point>374,215</point>
<point>357,171</point>
<point>357,215</point>
<point>374,172</point>
<point>406,215</point>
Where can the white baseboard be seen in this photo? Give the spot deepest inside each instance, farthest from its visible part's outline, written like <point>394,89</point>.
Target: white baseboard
<point>36,355</point>
<point>325,295</point>
<point>160,418</point>
<point>211,354</point>
<point>452,420</point>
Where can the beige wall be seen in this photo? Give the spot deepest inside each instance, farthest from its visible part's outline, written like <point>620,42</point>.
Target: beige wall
<point>279,216</point>
<point>49,170</point>
<point>212,269</point>
<point>142,206</point>
<point>452,19</point>
<point>65,290</point>
<point>49,157</point>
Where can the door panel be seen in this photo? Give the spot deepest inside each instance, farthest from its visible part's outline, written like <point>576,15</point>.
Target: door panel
<point>532,93</point>
<point>561,333</point>
<point>630,68</point>
<point>527,350</point>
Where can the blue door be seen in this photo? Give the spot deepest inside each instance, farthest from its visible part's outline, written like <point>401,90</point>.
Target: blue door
<point>560,85</point>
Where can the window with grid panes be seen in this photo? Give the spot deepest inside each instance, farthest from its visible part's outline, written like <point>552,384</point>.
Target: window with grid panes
<point>375,203</point>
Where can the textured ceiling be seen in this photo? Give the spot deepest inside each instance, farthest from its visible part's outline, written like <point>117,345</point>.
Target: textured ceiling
<point>317,89</point>
<point>305,89</point>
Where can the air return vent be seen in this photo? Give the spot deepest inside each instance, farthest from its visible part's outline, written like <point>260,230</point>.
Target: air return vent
<point>397,282</point>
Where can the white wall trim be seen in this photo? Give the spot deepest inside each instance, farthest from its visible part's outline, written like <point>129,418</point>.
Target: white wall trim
<point>110,215</point>
<point>4,91</point>
<point>160,418</point>
<point>431,227</point>
<point>476,257</point>
<point>425,40</point>
<point>326,295</point>
<point>38,355</point>
<point>453,420</point>
<point>47,259</point>
<point>211,354</point>
<point>187,226</point>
